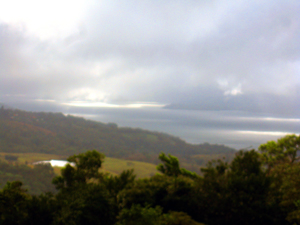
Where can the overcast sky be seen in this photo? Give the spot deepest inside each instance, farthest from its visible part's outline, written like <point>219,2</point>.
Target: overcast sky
<point>198,55</point>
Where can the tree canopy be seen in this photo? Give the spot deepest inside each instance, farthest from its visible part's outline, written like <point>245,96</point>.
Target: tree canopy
<point>247,190</point>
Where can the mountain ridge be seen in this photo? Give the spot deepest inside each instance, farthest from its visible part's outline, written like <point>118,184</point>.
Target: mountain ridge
<point>56,133</point>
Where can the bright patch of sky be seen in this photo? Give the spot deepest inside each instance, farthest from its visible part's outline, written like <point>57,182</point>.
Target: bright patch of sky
<point>107,105</point>
<point>45,19</point>
<point>291,120</point>
<point>275,133</point>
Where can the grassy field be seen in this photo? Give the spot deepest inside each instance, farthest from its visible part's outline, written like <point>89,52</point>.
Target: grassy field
<point>28,158</point>
<point>116,166</point>
<point>110,165</point>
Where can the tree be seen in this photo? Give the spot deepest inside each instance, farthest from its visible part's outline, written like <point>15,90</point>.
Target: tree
<point>13,204</point>
<point>82,198</point>
<point>86,167</point>
<point>88,164</point>
<point>170,167</point>
<point>249,185</point>
<point>282,159</point>
<point>178,218</point>
<point>237,193</point>
<point>285,150</point>
<point>41,209</point>
<point>147,215</point>
<point>290,189</point>
<point>115,184</point>
<point>137,215</point>
<point>84,204</point>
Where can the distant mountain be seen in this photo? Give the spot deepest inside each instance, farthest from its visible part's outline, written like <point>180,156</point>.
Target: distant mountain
<point>55,133</point>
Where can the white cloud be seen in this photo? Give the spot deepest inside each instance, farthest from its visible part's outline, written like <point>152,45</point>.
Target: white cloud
<point>170,51</point>
<point>85,104</point>
<point>45,19</point>
<point>235,91</point>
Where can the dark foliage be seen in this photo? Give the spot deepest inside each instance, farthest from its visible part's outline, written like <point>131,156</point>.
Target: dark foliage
<point>248,190</point>
<point>36,180</point>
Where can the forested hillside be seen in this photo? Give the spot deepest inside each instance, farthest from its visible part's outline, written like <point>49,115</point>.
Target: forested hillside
<point>257,187</point>
<point>55,133</point>
<point>36,179</point>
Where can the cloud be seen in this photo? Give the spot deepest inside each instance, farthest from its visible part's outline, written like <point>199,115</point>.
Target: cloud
<point>46,19</point>
<point>204,55</point>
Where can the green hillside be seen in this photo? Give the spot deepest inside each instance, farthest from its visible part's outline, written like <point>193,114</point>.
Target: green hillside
<point>110,165</point>
<point>55,133</point>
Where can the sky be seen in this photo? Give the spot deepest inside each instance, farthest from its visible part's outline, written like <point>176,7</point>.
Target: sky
<point>198,63</point>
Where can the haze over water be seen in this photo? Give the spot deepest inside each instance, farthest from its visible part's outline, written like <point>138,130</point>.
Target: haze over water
<point>236,129</point>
